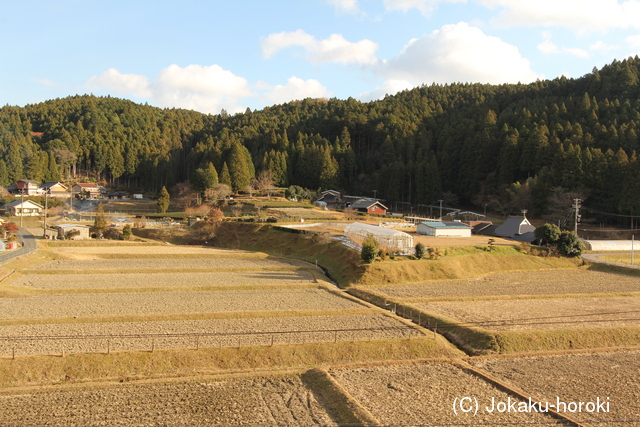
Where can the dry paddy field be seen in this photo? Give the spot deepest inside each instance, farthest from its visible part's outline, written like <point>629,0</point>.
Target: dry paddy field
<point>610,377</point>
<point>562,302</point>
<point>122,298</point>
<point>251,402</point>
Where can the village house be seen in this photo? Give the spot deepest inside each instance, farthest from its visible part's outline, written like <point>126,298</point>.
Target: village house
<point>517,228</point>
<point>24,208</point>
<point>55,189</point>
<point>369,206</point>
<point>86,190</point>
<point>25,187</point>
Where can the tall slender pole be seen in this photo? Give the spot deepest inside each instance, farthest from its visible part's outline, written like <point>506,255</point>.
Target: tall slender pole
<point>46,200</point>
<point>441,209</point>
<point>632,241</point>
<point>21,206</point>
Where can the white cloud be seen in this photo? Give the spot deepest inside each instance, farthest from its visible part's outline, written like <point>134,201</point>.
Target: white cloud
<point>334,49</point>
<point>389,87</point>
<point>296,88</point>
<point>580,15</point>
<point>634,43</point>
<point>122,84</point>
<point>346,6</point>
<point>427,7</point>
<point>601,46</point>
<point>548,47</point>
<point>207,89</point>
<point>459,53</point>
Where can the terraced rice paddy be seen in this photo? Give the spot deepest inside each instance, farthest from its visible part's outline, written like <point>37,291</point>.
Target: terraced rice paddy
<point>517,283</point>
<point>547,313</point>
<point>534,300</point>
<point>610,377</point>
<point>94,299</point>
<point>255,402</point>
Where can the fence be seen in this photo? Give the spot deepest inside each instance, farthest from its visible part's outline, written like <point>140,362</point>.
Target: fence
<point>66,344</point>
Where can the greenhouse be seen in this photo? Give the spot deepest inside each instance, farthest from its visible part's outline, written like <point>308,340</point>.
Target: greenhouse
<point>389,239</point>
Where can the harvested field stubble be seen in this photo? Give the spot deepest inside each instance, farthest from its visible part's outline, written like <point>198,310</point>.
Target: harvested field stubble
<point>548,313</point>
<point>424,394</point>
<point>121,336</point>
<point>255,402</point>
<point>165,280</point>
<point>135,304</point>
<point>189,264</point>
<point>612,377</point>
<point>518,283</point>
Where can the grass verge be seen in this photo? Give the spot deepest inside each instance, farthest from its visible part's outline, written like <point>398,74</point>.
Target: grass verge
<point>48,370</point>
<point>462,266</point>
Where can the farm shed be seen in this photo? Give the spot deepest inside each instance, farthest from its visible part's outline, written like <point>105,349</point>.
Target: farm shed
<point>388,239</point>
<point>516,227</point>
<point>65,229</point>
<point>369,206</point>
<point>444,229</point>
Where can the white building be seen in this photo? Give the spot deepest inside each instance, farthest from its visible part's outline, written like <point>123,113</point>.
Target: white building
<point>444,229</point>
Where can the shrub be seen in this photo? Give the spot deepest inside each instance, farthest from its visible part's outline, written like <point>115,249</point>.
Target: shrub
<point>421,251</point>
<point>434,253</point>
<point>126,232</point>
<point>569,244</point>
<point>548,234</point>
<point>369,249</point>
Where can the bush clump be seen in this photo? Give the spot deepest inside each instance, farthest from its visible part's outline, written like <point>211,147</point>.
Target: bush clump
<point>421,251</point>
<point>370,249</point>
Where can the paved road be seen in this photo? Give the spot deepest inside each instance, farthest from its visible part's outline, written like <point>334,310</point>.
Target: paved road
<point>596,258</point>
<point>29,246</point>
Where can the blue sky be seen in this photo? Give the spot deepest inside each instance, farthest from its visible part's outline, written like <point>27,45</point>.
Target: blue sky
<point>208,54</point>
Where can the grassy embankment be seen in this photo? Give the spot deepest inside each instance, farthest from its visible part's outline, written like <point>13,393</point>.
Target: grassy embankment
<point>129,366</point>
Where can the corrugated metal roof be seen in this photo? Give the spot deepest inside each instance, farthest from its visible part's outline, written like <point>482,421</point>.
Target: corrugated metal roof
<point>437,224</point>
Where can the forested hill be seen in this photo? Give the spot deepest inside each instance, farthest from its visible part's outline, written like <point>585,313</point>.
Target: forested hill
<point>508,146</point>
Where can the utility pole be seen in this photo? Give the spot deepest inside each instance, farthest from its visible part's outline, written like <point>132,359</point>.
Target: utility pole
<point>441,209</point>
<point>577,217</point>
<point>46,202</point>
<point>21,206</point>
<point>374,194</point>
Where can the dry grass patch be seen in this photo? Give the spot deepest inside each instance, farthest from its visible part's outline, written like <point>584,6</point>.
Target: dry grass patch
<point>45,370</point>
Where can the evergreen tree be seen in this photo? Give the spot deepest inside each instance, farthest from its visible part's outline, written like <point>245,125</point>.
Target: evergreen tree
<point>225,176</point>
<point>163,200</point>
<point>239,171</point>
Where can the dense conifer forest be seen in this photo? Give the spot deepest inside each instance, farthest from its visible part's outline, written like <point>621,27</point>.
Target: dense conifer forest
<point>508,147</point>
